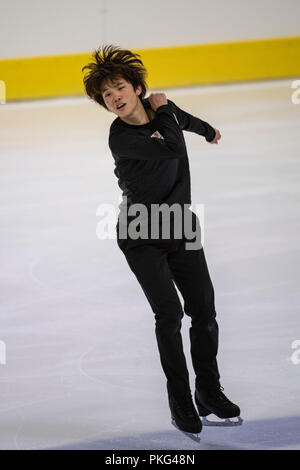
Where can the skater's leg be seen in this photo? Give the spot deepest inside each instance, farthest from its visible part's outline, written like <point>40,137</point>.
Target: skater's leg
<point>149,265</point>
<point>192,278</point>
<point>191,275</point>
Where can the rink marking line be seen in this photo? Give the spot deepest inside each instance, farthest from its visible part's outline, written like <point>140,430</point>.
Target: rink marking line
<point>34,278</point>
<point>96,379</point>
<point>35,402</point>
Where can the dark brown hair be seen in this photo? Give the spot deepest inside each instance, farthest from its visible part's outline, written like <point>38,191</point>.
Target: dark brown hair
<point>113,62</point>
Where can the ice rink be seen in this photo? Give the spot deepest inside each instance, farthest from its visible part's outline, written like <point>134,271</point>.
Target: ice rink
<point>80,366</point>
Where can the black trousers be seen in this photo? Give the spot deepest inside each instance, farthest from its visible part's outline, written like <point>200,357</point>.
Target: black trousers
<point>156,267</point>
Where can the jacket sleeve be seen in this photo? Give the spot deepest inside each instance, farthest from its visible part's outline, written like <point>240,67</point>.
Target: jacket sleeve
<point>190,123</point>
<point>135,144</point>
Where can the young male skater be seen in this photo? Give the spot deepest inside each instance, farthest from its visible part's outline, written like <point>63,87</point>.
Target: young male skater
<point>152,167</point>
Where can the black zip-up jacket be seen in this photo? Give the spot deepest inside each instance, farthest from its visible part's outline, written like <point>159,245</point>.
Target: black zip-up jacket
<point>151,159</point>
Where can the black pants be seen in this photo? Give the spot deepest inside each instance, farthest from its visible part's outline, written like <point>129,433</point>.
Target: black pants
<point>156,266</point>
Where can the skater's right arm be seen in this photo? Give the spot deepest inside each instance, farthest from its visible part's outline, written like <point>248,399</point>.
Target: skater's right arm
<point>138,144</point>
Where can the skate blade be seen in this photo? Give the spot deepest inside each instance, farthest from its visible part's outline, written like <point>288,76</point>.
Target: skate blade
<point>194,436</point>
<point>236,421</point>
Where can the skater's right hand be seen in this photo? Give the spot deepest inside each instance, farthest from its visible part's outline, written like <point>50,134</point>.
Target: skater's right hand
<point>157,99</point>
<point>216,138</point>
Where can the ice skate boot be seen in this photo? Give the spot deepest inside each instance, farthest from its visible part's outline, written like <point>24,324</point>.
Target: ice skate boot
<point>184,416</point>
<point>212,400</point>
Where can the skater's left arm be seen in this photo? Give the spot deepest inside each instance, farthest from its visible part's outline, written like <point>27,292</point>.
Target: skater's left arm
<point>190,123</point>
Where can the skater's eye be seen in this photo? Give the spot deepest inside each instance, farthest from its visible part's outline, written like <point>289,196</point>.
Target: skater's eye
<point>107,94</point>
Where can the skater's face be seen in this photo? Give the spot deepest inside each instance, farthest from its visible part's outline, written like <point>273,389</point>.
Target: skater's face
<point>120,92</point>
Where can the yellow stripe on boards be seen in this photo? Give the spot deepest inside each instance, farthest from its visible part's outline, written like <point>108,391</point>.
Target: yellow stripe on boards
<point>223,62</point>
<point>196,64</point>
<point>43,77</point>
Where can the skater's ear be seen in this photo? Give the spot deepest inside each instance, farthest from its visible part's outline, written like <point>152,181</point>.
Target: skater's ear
<point>138,90</point>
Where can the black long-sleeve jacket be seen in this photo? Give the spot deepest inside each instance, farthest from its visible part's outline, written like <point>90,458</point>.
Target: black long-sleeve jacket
<point>151,159</point>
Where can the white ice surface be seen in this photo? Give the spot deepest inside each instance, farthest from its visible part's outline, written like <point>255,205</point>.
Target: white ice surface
<point>82,367</point>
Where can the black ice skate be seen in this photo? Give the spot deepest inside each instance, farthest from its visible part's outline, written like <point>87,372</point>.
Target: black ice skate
<point>213,401</point>
<point>184,416</point>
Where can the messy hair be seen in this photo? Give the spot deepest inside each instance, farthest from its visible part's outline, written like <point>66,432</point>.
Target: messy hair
<point>111,63</point>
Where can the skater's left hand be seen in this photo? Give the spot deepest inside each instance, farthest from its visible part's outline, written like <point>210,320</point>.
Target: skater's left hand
<point>217,137</point>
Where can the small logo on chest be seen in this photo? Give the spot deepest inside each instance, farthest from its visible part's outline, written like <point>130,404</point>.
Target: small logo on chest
<point>157,135</point>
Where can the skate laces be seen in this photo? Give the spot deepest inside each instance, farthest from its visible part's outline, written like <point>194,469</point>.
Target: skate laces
<point>221,395</point>
<point>217,389</point>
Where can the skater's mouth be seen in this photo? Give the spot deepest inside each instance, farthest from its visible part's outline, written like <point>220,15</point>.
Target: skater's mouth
<point>121,106</point>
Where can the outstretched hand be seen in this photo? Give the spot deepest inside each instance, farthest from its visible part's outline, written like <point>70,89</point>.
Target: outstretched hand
<point>217,137</point>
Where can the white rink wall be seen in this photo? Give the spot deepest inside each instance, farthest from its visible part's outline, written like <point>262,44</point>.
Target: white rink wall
<point>33,28</point>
